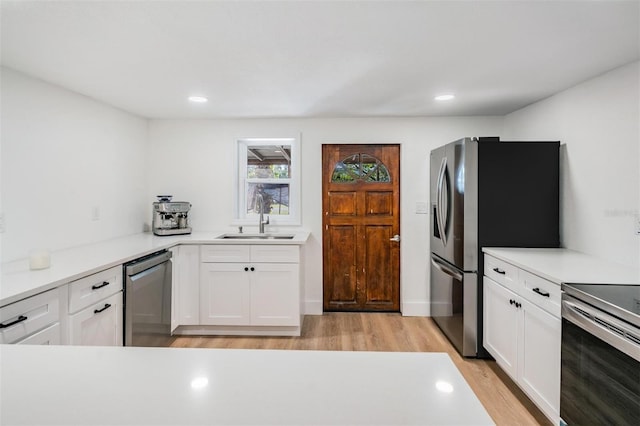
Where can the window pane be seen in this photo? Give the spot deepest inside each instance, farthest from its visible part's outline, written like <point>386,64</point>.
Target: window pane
<point>275,195</point>
<point>360,167</point>
<point>268,171</point>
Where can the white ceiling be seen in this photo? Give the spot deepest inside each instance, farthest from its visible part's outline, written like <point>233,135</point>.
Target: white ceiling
<point>318,58</point>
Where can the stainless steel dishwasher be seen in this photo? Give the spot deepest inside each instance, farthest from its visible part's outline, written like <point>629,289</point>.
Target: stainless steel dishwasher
<point>147,300</point>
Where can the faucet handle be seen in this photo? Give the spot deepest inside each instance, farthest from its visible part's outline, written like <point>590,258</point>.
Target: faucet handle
<point>267,222</point>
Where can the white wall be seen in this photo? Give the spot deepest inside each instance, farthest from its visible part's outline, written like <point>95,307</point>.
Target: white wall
<point>63,155</point>
<point>598,123</point>
<point>194,161</point>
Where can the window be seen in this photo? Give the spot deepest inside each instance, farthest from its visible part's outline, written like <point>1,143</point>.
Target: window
<point>270,167</point>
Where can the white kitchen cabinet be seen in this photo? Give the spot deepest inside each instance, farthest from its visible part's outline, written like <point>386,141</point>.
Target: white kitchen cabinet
<point>501,326</point>
<point>275,298</point>
<point>250,285</point>
<point>96,309</point>
<point>99,324</point>
<point>522,331</point>
<point>185,286</point>
<point>27,317</point>
<point>225,294</point>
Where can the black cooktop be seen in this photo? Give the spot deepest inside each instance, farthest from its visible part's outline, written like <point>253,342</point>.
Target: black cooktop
<point>626,297</point>
<point>622,301</point>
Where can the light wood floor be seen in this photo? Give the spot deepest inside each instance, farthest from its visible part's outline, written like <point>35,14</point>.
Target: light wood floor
<point>504,402</point>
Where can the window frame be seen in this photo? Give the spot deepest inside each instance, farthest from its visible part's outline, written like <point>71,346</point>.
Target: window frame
<point>241,217</point>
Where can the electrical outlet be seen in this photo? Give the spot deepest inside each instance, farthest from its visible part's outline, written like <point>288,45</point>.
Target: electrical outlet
<point>95,213</point>
<point>637,221</point>
<point>1,223</point>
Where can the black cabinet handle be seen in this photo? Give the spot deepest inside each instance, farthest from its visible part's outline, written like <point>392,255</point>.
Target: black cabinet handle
<point>246,268</point>
<point>97,286</point>
<point>540,292</point>
<point>20,319</point>
<point>106,306</point>
<point>253,269</point>
<point>518,304</point>
<point>511,301</point>
<point>499,271</point>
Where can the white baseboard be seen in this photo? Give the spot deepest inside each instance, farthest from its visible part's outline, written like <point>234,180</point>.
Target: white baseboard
<point>313,307</point>
<point>414,308</point>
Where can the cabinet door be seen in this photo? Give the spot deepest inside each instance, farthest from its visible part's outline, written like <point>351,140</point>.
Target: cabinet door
<point>99,324</point>
<point>186,286</point>
<point>539,361</point>
<point>275,297</point>
<point>224,294</point>
<point>500,325</point>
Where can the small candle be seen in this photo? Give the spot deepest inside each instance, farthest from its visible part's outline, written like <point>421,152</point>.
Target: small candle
<point>39,259</point>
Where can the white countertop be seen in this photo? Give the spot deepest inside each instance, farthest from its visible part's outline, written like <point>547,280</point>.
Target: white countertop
<point>18,282</point>
<point>566,266</point>
<point>115,385</point>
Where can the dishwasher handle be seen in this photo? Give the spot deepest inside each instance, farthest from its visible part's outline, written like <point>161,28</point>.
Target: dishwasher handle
<point>147,262</point>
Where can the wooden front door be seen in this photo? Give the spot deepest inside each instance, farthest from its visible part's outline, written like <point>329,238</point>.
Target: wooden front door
<point>361,217</point>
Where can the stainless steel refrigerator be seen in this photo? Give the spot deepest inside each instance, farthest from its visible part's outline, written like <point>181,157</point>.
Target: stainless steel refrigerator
<point>485,193</point>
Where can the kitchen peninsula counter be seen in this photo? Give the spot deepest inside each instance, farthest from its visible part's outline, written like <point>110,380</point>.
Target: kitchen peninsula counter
<point>18,281</point>
<point>129,385</point>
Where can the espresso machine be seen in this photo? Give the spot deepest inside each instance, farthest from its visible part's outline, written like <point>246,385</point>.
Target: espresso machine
<point>170,217</point>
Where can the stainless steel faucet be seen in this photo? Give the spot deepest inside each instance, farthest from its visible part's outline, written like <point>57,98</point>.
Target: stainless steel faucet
<point>261,221</point>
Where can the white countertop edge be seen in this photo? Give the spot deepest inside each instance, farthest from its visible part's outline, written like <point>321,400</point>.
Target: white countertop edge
<point>277,387</point>
<point>561,265</point>
<point>18,282</point>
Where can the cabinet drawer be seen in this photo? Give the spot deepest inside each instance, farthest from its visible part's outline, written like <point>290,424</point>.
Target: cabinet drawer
<point>500,271</point>
<point>29,315</point>
<point>275,254</point>
<point>540,292</point>
<point>48,336</point>
<point>225,253</point>
<point>93,288</point>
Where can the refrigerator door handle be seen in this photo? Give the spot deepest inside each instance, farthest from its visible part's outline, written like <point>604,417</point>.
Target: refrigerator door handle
<point>446,269</point>
<point>442,208</point>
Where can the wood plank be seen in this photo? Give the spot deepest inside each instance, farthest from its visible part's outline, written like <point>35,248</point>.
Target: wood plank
<point>391,332</point>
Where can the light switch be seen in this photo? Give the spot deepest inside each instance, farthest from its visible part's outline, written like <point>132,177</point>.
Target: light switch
<point>422,207</point>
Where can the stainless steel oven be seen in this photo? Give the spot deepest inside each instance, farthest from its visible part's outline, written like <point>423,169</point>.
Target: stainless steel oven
<point>600,357</point>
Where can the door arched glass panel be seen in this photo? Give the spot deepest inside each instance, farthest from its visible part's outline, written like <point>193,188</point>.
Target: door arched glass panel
<point>360,168</point>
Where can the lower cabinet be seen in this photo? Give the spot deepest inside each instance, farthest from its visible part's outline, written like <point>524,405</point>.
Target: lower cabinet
<point>525,340</point>
<point>96,309</point>
<point>250,289</point>
<point>99,324</point>
<point>264,294</point>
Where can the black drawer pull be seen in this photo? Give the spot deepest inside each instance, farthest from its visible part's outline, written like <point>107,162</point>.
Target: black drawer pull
<point>20,319</point>
<point>253,269</point>
<point>540,292</point>
<point>97,286</point>
<point>499,271</point>
<point>106,306</point>
<point>246,269</point>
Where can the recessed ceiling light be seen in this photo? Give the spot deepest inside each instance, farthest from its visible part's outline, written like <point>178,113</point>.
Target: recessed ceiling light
<point>198,99</point>
<point>446,97</point>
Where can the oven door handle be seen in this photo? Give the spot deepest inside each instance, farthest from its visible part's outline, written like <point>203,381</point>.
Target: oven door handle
<point>605,327</point>
<point>446,269</point>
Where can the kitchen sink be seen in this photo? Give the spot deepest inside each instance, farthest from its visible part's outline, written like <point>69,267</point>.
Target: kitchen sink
<point>255,237</point>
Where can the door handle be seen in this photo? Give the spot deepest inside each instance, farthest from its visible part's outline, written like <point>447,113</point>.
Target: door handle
<point>442,208</point>
<point>395,238</point>
<point>446,269</point>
